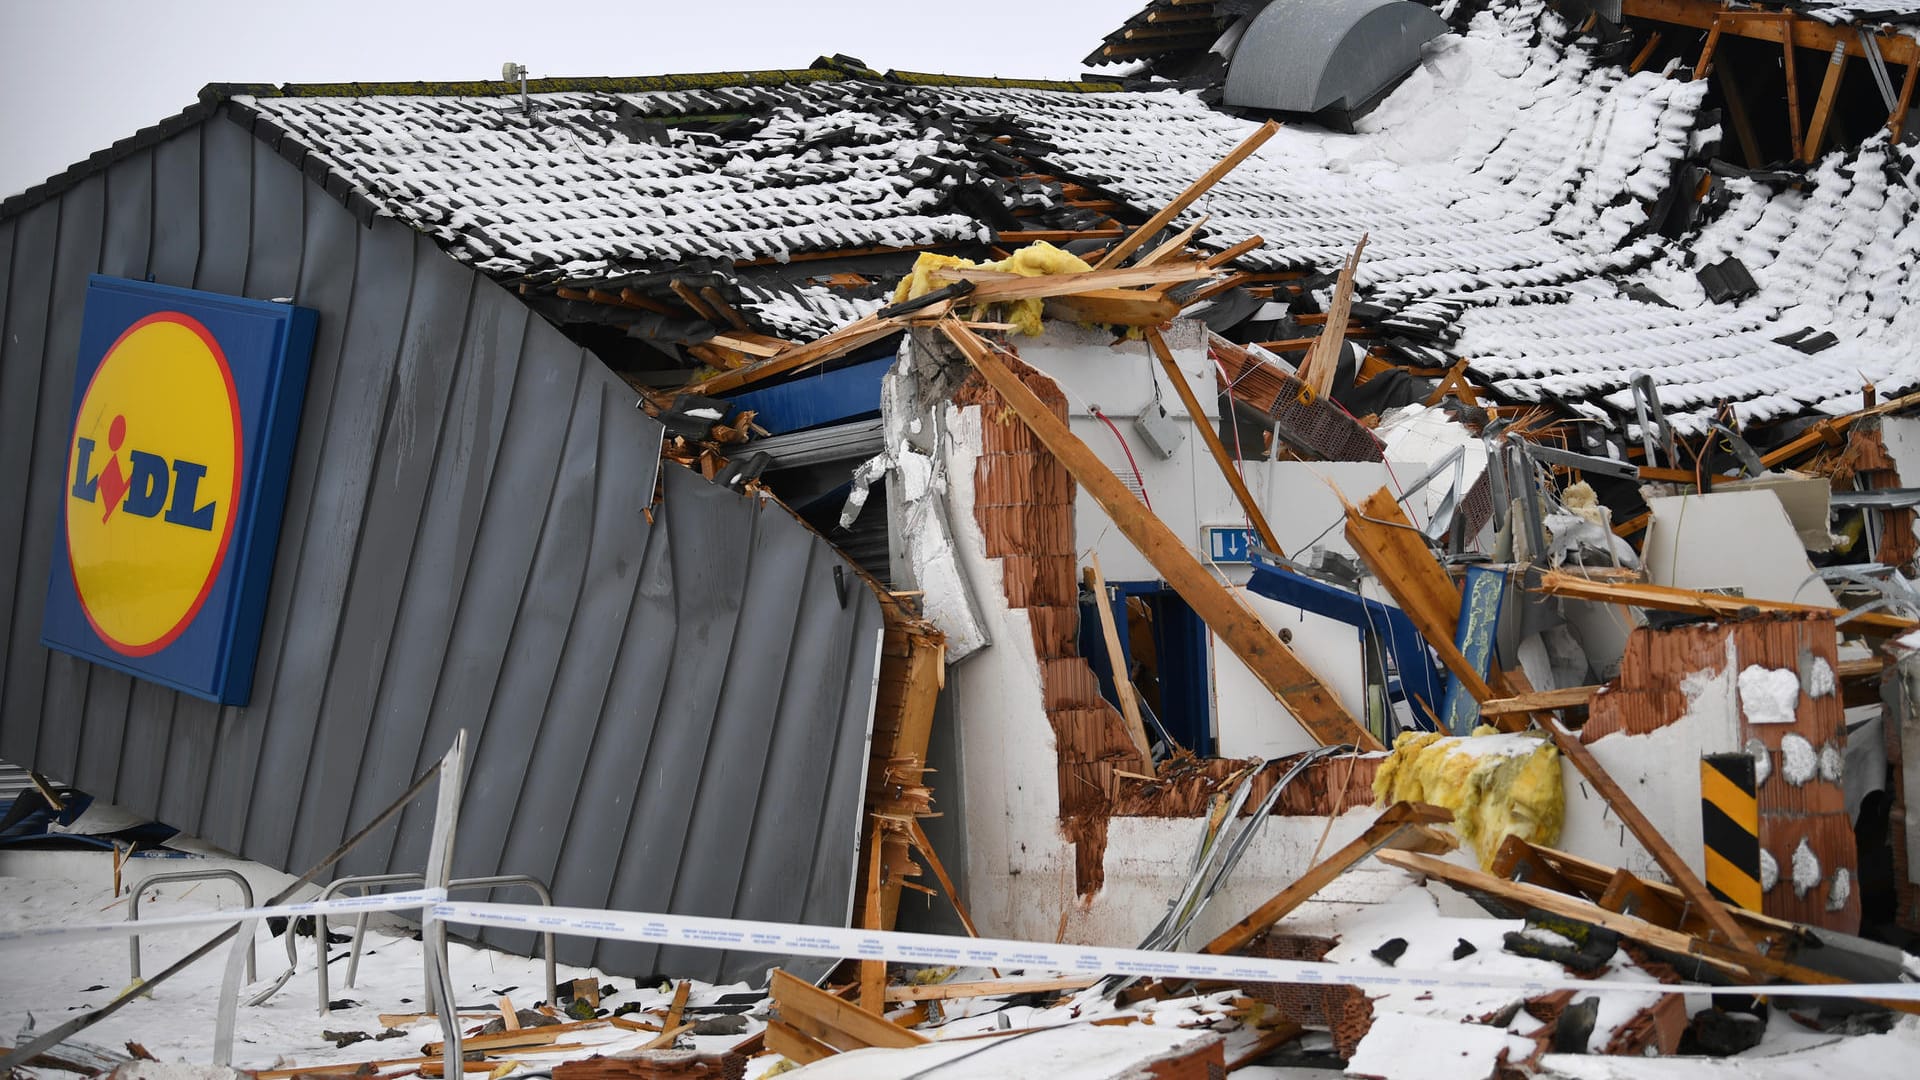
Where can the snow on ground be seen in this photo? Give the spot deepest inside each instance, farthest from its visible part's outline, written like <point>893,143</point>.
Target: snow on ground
<point>50,982</point>
<point>46,984</point>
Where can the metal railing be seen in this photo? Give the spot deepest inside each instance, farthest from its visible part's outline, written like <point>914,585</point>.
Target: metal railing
<point>370,881</point>
<point>133,909</point>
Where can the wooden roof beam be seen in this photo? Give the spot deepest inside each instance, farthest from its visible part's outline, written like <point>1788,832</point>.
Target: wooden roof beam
<point>1806,33</point>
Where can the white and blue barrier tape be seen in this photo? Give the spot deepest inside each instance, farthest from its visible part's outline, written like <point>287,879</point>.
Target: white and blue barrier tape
<point>416,900</point>
<point>832,942</point>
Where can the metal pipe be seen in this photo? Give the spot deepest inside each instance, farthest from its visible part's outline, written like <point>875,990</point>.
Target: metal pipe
<point>133,909</point>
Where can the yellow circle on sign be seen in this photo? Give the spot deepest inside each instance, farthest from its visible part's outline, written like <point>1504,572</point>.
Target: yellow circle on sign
<point>153,475</point>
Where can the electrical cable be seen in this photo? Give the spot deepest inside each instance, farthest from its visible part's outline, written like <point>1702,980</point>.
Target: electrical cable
<point>1139,480</point>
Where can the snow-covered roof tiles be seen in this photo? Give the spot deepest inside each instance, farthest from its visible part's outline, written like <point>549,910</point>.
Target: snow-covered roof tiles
<point>1512,188</point>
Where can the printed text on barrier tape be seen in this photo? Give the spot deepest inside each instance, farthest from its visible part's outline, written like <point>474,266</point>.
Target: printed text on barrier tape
<point>416,900</point>
<point>840,943</point>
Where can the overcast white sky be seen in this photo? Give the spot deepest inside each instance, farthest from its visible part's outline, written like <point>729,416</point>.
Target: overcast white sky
<point>75,75</point>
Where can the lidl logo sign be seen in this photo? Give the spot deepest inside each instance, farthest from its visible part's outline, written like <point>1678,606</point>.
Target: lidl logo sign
<point>186,405</point>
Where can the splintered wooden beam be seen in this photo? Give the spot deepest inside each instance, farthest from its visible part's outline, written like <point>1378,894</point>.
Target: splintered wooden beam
<point>1566,697</point>
<point>1131,243</point>
<point>1117,661</point>
<point>925,845</point>
<point>1251,243</point>
<point>1323,359</point>
<point>873,973</point>
<point>1386,829</point>
<point>1177,243</point>
<point>989,988</point>
<point>1666,598</point>
<point>833,1021</point>
<point>1114,307</point>
<point>1277,667</point>
<point>1643,830</point>
<point>1769,26</point>
<point>854,335</point>
<point>997,286</point>
<point>1397,553</point>
<point>1522,895</point>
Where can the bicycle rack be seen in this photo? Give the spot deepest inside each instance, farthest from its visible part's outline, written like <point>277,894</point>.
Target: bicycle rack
<point>133,909</point>
<point>371,881</point>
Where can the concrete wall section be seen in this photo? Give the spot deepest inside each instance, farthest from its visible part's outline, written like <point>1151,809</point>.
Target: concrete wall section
<point>669,714</point>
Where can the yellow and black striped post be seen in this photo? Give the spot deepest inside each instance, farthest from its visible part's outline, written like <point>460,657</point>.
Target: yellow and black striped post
<point>1730,827</point>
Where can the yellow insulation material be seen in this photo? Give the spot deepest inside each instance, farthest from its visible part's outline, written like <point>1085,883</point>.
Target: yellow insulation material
<point>1035,260</point>
<point>1497,785</point>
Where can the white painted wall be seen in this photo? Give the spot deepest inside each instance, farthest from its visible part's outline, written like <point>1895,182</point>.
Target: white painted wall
<point>1020,869</point>
<point>1730,538</point>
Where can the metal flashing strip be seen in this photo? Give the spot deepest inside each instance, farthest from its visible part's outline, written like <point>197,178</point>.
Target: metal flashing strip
<point>838,943</point>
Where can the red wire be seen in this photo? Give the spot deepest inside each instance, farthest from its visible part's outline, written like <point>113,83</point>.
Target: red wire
<point>1127,450</point>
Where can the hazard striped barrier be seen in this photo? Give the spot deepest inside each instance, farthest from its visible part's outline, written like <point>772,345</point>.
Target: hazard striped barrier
<point>1730,829</point>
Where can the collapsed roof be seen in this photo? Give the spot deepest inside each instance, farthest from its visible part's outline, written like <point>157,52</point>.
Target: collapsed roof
<point>1530,206</point>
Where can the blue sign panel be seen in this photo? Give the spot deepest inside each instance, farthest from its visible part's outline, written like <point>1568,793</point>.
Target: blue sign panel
<point>1228,545</point>
<point>185,409</point>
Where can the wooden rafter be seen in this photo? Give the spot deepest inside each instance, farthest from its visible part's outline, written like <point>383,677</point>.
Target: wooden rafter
<point>1127,246</point>
<point>1277,667</point>
<point>1896,47</point>
<point>1197,413</point>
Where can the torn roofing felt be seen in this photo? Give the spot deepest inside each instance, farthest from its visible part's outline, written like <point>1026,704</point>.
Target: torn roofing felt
<point>669,701</point>
<point>1513,187</point>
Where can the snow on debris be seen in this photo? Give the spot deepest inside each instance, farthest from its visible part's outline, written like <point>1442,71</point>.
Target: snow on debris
<point>1769,695</point>
<point>1511,187</point>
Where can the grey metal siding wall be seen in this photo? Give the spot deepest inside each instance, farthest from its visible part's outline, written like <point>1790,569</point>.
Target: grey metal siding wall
<point>668,716</point>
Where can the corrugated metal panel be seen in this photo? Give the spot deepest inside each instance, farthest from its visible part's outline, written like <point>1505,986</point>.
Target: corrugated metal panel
<point>13,781</point>
<point>668,714</point>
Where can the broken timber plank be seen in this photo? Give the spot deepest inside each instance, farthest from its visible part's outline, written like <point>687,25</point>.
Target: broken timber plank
<point>1666,598</point>
<point>1734,962</point>
<point>1214,445</point>
<point>678,1007</point>
<point>1643,830</point>
<point>1323,358</point>
<point>790,1042</point>
<point>1251,243</point>
<point>873,973</point>
<point>1116,660</point>
<point>858,334</point>
<point>1540,701</point>
<point>1127,246</point>
<point>1178,242</point>
<point>1567,697</point>
<point>940,874</point>
<point>1386,829</point>
<point>996,286</point>
<point>988,988</point>
<point>1397,554</point>
<point>1277,667</point>
<point>1577,876</point>
<point>844,1025</point>
<point>1114,307</point>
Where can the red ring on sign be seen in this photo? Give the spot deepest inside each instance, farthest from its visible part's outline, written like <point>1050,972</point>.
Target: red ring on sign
<point>233,498</point>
